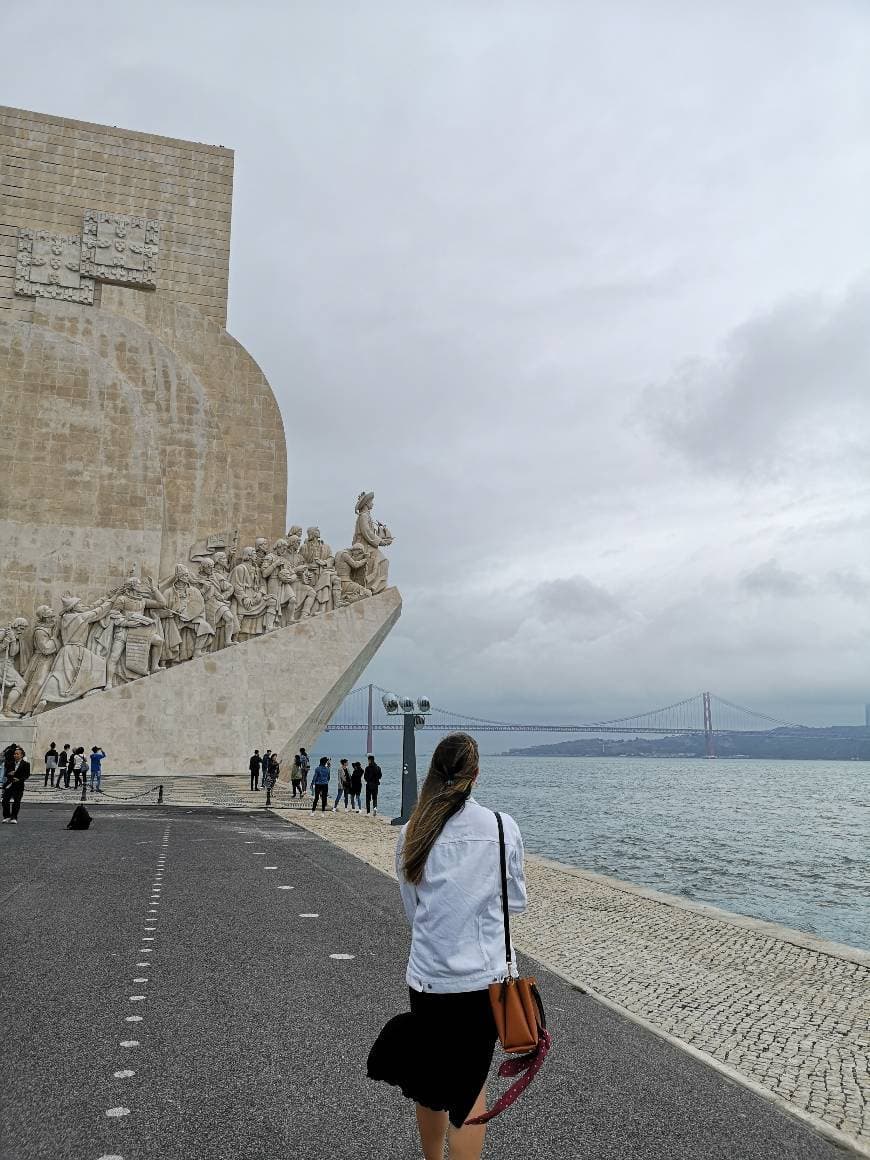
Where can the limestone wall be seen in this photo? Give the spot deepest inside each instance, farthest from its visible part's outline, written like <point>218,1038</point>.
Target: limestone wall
<point>52,169</point>
<point>134,423</point>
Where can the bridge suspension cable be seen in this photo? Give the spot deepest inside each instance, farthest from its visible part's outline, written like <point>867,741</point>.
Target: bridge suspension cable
<point>702,713</point>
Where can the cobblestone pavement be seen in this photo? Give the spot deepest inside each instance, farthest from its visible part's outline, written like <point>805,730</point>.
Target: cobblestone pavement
<point>771,1004</point>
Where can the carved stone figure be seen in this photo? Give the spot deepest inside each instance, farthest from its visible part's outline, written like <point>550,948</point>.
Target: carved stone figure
<point>306,597</point>
<point>350,565</point>
<point>77,669</point>
<point>320,561</point>
<point>186,632</point>
<point>45,646</point>
<point>131,640</point>
<point>372,536</point>
<point>14,656</point>
<point>217,593</point>
<point>281,582</point>
<point>255,609</point>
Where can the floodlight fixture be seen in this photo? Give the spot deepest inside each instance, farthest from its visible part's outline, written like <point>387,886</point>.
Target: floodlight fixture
<point>390,702</point>
<point>424,705</point>
<point>407,704</point>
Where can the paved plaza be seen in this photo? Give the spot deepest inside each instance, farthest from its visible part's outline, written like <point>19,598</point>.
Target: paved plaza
<point>783,1010</point>
<point>171,992</point>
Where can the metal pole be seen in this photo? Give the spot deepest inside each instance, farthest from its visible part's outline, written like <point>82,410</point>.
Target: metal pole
<point>85,786</point>
<point>409,771</point>
<point>370,741</point>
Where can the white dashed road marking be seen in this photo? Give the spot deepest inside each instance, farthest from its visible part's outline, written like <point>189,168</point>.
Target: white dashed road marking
<point>285,887</point>
<point>136,998</point>
<point>134,1018</point>
<point>342,956</point>
<point>270,867</point>
<point>125,1073</point>
<point>309,916</point>
<point>129,1043</point>
<point>118,1112</point>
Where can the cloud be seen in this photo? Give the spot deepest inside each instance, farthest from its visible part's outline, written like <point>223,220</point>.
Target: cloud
<point>573,598</point>
<point>771,579</point>
<point>787,387</point>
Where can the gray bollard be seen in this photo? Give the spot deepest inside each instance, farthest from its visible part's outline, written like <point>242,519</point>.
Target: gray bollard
<point>84,789</point>
<point>160,795</point>
<point>268,796</point>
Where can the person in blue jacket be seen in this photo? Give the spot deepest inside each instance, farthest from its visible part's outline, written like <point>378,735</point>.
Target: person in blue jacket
<point>320,783</point>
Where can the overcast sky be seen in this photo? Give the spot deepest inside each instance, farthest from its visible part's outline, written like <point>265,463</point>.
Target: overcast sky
<point>581,290</point>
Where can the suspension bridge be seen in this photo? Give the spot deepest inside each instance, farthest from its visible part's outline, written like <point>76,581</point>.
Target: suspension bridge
<point>703,713</point>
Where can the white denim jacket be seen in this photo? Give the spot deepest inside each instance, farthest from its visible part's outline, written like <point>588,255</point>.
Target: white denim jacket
<point>457,927</point>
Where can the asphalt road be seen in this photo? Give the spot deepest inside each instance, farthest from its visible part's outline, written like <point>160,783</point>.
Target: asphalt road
<point>250,1041</point>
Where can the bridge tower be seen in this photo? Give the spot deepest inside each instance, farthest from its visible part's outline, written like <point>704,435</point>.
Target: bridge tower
<point>369,731</point>
<point>708,726</point>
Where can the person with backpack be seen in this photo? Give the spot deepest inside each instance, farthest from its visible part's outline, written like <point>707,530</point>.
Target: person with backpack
<point>305,762</point>
<point>79,767</point>
<point>97,756</point>
<point>51,757</point>
<point>343,784</point>
<point>356,781</point>
<point>296,776</point>
<point>372,778</point>
<point>16,771</point>
<point>320,785</point>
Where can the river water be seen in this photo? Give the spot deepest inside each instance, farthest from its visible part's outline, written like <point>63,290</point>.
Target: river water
<point>785,841</point>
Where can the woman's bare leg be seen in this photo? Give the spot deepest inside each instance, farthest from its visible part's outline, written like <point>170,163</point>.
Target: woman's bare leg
<point>466,1143</point>
<point>433,1132</point>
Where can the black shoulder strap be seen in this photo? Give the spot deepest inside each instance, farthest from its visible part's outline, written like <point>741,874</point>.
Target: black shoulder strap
<point>504,890</point>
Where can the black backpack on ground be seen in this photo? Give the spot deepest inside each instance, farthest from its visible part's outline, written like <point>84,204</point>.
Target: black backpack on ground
<point>80,820</point>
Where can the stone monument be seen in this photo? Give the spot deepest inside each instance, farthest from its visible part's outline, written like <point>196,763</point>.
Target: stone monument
<point>148,600</point>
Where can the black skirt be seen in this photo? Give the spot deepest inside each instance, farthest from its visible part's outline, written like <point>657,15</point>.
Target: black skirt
<point>439,1053</point>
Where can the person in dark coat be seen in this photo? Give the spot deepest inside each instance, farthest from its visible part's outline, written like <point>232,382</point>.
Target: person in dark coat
<point>17,773</point>
<point>356,781</point>
<point>372,776</point>
<point>254,767</point>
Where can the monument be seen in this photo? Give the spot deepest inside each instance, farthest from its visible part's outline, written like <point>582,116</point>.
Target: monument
<point>149,600</point>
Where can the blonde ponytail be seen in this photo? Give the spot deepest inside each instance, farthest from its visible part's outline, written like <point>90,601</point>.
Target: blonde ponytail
<point>445,791</point>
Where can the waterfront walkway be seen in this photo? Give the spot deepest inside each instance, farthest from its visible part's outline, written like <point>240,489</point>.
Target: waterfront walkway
<point>170,991</point>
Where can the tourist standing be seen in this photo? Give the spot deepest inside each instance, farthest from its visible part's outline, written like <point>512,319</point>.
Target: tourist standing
<point>97,756</point>
<point>305,762</point>
<point>296,776</point>
<point>264,767</point>
<point>17,772</point>
<point>448,866</point>
<point>79,767</point>
<point>372,778</point>
<point>254,767</point>
<point>343,784</point>
<point>356,781</point>
<point>51,765</point>
<point>63,766</point>
<point>270,772</point>
<point>320,785</point>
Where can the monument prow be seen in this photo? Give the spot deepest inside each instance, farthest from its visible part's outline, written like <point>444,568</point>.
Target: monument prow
<point>275,691</point>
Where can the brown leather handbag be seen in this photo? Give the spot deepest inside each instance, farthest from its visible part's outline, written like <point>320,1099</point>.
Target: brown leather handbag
<point>518,1013</point>
<point>516,1003</point>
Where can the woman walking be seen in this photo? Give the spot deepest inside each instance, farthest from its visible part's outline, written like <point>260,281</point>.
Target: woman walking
<point>343,785</point>
<point>447,862</point>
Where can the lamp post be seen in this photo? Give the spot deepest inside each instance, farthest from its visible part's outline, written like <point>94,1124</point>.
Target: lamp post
<point>414,714</point>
